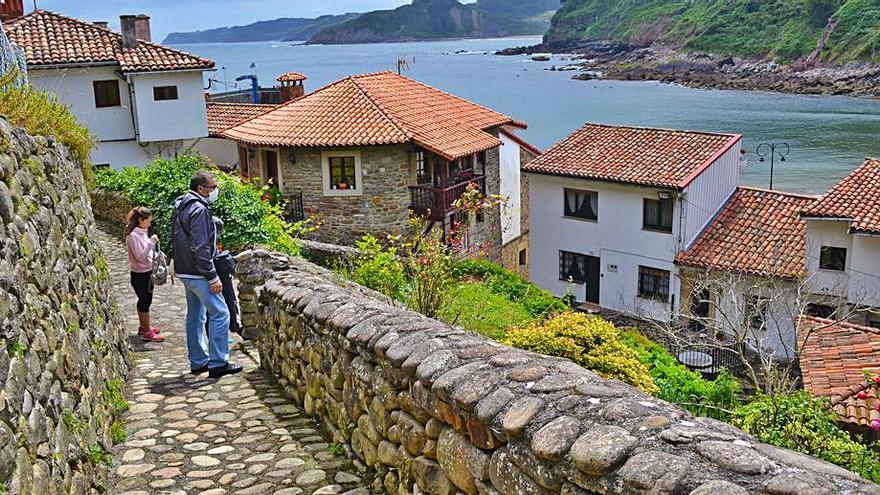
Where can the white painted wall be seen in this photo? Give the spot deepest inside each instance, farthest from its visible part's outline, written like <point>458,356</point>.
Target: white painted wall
<point>119,154</point>
<point>222,152</point>
<point>74,87</point>
<point>706,194</point>
<point>184,118</point>
<point>864,276</point>
<point>617,238</point>
<point>511,211</point>
<point>827,233</point>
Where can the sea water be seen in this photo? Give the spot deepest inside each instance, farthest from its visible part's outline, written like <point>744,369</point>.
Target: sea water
<point>829,136</point>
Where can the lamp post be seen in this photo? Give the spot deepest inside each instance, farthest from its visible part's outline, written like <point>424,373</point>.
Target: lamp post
<point>773,150</point>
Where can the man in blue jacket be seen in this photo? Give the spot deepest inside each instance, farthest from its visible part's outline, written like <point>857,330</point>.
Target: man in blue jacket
<point>195,248</point>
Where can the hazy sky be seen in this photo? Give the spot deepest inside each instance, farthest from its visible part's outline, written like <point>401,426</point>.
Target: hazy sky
<point>191,15</point>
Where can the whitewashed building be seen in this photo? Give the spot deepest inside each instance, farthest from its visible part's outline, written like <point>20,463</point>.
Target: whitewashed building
<point>611,207</point>
<point>139,98</point>
<point>843,246</point>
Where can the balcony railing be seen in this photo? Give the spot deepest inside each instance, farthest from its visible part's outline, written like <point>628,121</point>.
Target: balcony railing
<point>437,202</point>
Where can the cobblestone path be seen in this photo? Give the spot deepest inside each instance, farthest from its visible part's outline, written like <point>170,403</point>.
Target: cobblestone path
<point>189,434</point>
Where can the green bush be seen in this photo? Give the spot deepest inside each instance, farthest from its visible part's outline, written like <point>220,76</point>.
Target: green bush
<point>247,219</point>
<point>379,269</point>
<point>540,303</point>
<point>589,341</point>
<point>686,388</point>
<point>805,423</point>
<point>42,114</point>
<point>477,308</point>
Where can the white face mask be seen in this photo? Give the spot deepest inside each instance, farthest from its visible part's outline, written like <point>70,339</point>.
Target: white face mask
<point>213,196</point>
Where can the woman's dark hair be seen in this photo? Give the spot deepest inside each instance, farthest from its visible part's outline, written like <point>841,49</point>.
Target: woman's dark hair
<point>135,216</point>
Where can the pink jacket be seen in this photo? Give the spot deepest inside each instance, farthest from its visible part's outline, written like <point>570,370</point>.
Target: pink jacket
<point>140,250</point>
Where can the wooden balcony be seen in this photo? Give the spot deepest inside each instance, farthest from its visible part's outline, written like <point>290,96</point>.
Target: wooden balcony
<point>436,202</point>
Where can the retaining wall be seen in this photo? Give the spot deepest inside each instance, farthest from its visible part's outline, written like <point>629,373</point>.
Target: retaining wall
<point>61,339</point>
<point>434,409</point>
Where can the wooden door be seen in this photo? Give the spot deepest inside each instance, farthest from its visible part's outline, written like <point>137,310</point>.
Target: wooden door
<point>592,279</point>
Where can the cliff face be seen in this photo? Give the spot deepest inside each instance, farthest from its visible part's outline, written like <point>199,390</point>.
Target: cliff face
<point>425,20</point>
<point>63,349</point>
<point>284,29</point>
<point>784,30</point>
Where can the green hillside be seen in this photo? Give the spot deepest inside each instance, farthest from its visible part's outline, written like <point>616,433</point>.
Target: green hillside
<point>286,29</point>
<point>432,19</point>
<point>784,30</point>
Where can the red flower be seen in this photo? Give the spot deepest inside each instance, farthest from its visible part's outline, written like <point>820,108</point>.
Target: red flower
<point>877,379</point>
<point>875,424</point>
<point>861,395</point>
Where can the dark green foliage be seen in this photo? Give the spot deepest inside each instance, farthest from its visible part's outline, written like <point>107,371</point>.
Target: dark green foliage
<point>425,19</point>
<point>97,455</point>
<point>114,396</point>
<point>379,269</point>
<point>118,433</point>
<point>716,398</point>
<point>476,307</point>
<point>779,29</point>
<point>518,8</point>
<point>247,219</point>
<point>805,423</point>
<point>538,302</point>
<point>72,422</point>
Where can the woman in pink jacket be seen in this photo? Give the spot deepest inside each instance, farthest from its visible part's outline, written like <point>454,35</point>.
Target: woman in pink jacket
<point>140,247</point>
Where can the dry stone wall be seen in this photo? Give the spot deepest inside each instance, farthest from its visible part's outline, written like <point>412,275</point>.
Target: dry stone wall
<point>61,340</point>
<point>434,409</point>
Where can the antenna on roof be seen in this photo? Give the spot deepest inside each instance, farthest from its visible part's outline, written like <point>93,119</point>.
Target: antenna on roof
<point>403,64</point>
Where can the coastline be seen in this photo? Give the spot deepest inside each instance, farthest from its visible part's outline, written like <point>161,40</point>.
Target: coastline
<point>604,60</point>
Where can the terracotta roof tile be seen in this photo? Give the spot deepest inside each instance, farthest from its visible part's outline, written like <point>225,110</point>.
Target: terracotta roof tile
<point>48,38</point>
<point>222,116</point>
<point>291,76</point>
<point>634,155</point>
<point>758,232</point>
<point>372,109</point>
<point>833,357</point>
<point>856,197</point>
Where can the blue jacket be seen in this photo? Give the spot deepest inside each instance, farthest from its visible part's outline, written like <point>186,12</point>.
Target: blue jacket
<point>194,238</point>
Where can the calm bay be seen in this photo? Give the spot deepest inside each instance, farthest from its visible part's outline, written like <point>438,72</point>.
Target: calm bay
<point>829,136</point>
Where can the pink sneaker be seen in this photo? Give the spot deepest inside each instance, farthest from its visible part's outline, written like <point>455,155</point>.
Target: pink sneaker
<point>150,335</point>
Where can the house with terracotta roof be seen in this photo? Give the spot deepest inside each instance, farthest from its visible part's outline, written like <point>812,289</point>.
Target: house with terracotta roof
<point>612,206</point>
<point>140,98</point>
<point>835,359</point>
<point>843,245</point>
<point>365,150</point>
<point>745,274</point>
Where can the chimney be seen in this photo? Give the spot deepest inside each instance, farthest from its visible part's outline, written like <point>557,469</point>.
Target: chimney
<point>292,86</point>
<point>142,27</point>
<point>11,9</point>
<point>129,37</point>
<point>101,24</point>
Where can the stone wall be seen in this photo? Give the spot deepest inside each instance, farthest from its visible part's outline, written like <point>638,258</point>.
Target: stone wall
<point>434,409</point>
<point>111,207</point>
<point>61,340</point>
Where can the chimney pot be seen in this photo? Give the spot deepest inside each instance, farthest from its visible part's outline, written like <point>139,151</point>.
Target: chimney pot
<point>142,27</point>
<point>129,36</point>
<point>11,9</point>
<point>102,24</point>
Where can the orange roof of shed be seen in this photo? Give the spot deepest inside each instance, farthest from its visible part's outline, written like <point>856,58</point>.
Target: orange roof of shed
<point>833,359</point>
<point>758,232</point>
<point>222,116</point>
<point>377,109</point>
<point>857,197</point>
<point>634,155</point>
<point>48,38</point>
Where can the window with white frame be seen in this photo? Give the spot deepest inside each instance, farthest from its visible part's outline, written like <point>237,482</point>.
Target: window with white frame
<point>581,204</point>
<point>342,174</point>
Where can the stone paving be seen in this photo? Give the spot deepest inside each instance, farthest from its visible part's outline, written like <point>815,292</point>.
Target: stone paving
<point>194,434</point>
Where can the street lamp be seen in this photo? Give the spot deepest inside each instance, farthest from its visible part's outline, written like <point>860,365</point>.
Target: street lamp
<point>773,150</point>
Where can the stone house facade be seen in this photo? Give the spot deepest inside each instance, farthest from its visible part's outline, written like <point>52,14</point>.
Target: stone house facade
<point>364,154</point>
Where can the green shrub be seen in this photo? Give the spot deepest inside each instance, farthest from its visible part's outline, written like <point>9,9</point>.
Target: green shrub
<point>97,455</point>
<point>72,422</point>
<point>805,423</point>
<point>247,219</point>
<point>118,433</point>
<point>539,302</point>
<point>681,386</point>
<point>589,341</point>
<point>42,114</point>
<point>113,395</point>
<point>475,307</point>
<point>379,269</point>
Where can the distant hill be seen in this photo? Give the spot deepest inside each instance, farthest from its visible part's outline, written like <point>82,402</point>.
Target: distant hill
<point>284,29</point>
<point>783,30</point>
<point>439,19</point>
